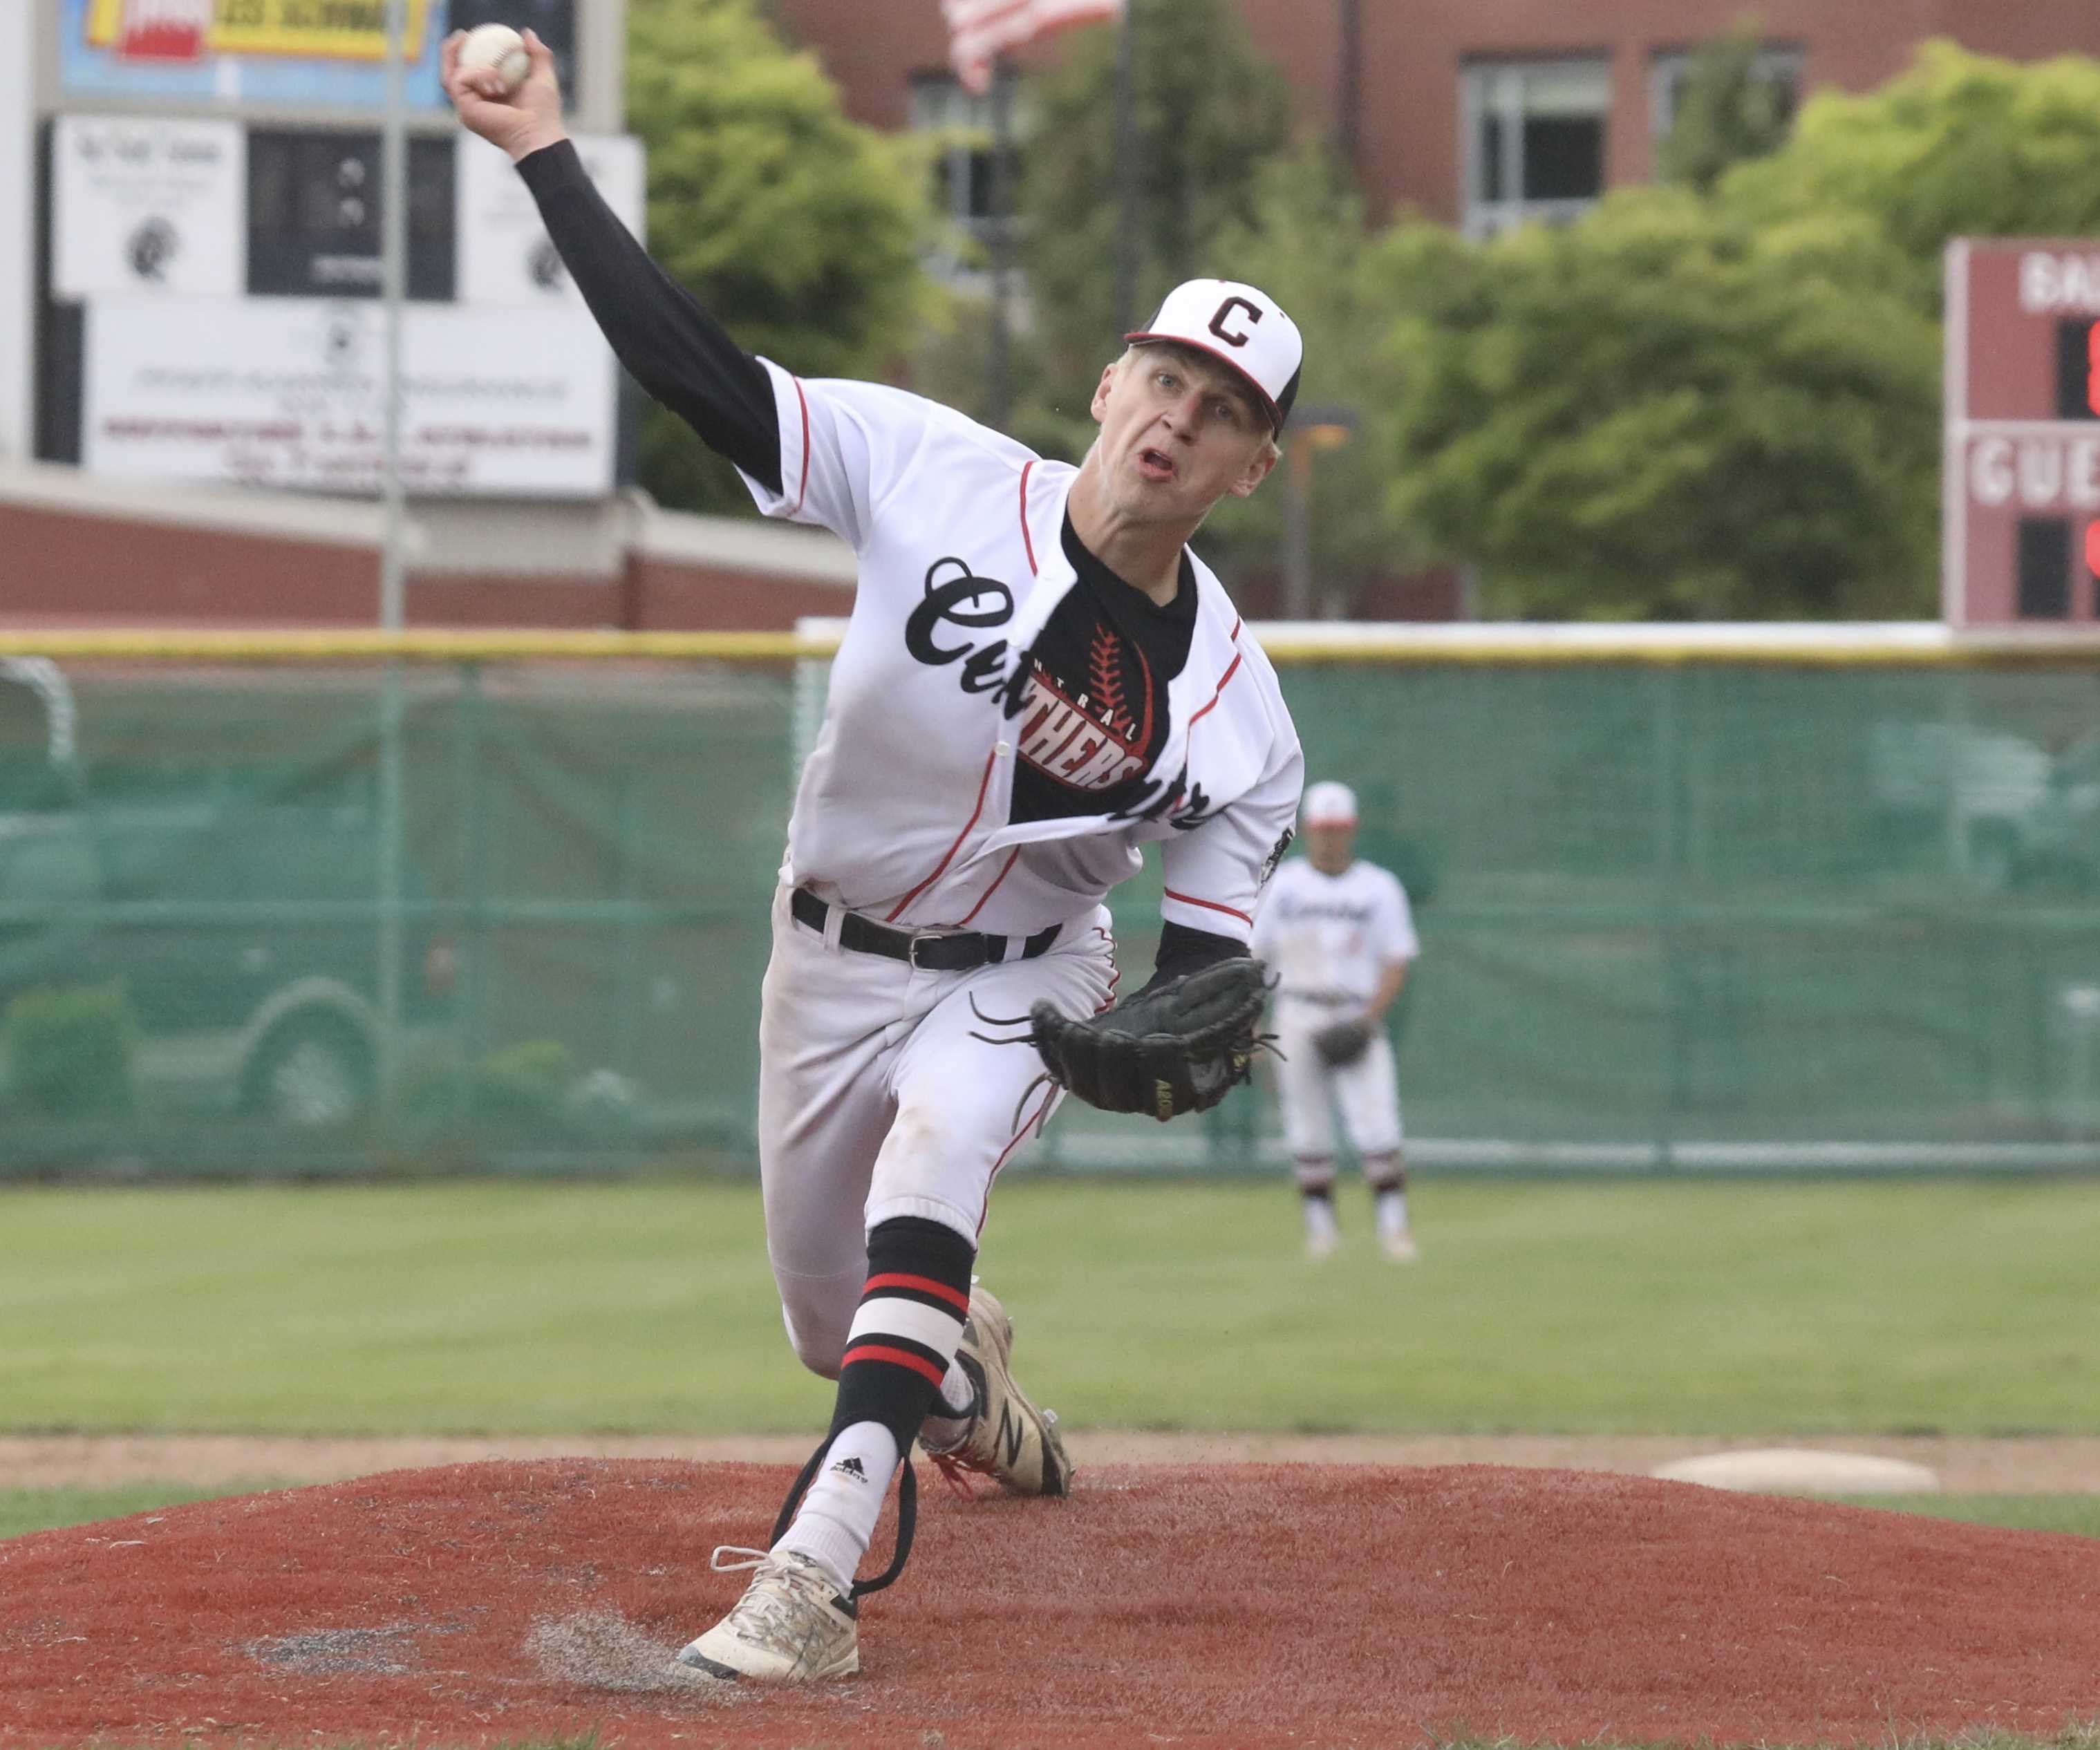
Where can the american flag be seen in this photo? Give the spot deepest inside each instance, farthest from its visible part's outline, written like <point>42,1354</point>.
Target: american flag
<point>981,30</point>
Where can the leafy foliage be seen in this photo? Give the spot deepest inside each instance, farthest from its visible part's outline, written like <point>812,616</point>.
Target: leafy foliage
<point>1723,407</point>
<point>796,227</point>
<point>1305,244</point>
<point>1658,413</point>
<point>1210,114</point>
<point>1959,145</point>
<point>1730,113</point>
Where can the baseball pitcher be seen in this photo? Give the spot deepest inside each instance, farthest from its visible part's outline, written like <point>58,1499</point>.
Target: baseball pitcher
<point>1339,933</point>
<point>1037,679</point>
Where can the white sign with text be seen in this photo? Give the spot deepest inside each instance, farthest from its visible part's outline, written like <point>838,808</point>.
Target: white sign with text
<point>506,255</point>
<point>146,207</point>
<point>289,392</point>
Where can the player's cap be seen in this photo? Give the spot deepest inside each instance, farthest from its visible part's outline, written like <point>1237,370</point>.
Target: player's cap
<point>1240,326</point>
<point>1329,806</point>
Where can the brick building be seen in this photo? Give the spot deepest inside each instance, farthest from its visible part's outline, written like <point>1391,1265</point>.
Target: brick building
<point>1479,114</point>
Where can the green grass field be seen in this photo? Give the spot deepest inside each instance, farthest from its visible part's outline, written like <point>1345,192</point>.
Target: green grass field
<point>1621,1307</point>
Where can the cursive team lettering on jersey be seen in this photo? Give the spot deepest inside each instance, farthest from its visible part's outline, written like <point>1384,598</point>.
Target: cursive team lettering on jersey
<point>956,599</point>
<point>1295,909</point>
<point>1090,734</point>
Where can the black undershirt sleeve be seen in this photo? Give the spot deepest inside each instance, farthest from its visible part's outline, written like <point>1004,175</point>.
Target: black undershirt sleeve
<point>670,346</point>
<point>1183,951</point>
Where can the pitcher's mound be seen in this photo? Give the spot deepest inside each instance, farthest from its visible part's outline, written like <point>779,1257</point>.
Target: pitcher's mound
<point>1240,1607</point>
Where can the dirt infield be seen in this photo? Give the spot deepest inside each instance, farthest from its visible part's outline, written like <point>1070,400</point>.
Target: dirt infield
<point>1221,1605</point>
<point>2037,1465</point>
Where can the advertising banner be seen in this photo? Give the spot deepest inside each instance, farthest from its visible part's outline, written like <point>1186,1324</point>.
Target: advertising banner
<point>505,254</point>
<point>277,52</point>
<point>288,392</point>
<point>147,207</point>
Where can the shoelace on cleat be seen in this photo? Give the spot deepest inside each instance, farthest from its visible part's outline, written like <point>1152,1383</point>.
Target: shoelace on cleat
<point>955,1470</point>
<point>767,1611</point>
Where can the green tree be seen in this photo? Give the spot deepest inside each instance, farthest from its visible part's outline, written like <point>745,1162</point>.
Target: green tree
<point>1211,112</point>
<point>1723,407</point>
<point>1729,113</point>
<point>1959,145</point>
<point>1305,243</point>
<point>1659,413</point>
<point>798,228</point>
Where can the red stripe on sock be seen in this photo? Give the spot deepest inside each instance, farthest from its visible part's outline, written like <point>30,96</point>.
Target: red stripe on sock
<point>867,1351</point>
<point>924,1284</point>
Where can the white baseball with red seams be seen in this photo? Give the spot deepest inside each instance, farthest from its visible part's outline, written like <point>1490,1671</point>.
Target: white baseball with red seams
<point>500,47</point>
<point>902,815</point>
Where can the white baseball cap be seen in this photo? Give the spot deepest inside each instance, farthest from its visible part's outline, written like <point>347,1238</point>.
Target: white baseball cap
<point>1330,804</point>
<point>1239,326</point>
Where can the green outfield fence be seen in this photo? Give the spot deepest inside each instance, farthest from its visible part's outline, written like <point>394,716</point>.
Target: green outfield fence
<point>1691,898</point>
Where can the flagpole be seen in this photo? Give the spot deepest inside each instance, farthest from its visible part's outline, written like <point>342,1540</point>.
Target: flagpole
<point>1349,89</point>
<point>998,390</point>
<point>393,579</point>
<point>1127,168</point>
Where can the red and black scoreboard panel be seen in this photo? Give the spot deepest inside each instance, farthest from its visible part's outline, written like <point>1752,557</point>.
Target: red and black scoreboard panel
<point>2021,504</point>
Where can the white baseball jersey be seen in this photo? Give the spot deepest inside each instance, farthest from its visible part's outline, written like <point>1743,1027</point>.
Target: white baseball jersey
<point>903,809</point>
<point>1330,938</point>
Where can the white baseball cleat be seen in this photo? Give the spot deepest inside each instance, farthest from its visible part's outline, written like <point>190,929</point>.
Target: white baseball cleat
<point>1008,1439</point>
<point>1322,1244</point>
<point>791,1625</point>
<point>1401,1247</point>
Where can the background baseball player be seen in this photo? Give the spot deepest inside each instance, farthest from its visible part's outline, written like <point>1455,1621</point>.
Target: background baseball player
<point>1036,680</point>
<point>1341,936</point>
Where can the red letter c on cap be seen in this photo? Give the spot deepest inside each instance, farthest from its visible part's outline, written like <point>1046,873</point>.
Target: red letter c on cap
<point>1224,310</point>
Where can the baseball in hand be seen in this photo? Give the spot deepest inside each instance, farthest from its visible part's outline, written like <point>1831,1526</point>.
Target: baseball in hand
<point>500,47</point>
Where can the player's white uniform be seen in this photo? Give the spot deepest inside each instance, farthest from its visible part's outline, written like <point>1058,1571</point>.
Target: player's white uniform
<point>1329,939</point>
<point>875,1100</point>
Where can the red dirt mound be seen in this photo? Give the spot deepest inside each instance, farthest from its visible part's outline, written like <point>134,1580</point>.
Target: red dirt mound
<point>1234,1606</point>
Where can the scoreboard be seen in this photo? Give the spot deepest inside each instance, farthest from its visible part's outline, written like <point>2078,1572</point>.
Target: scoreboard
<point>2021,498</point>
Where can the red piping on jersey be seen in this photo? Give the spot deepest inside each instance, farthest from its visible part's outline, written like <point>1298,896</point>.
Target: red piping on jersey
<point>1011,858</point>
<point>802,490</point>
<point>1224,681</point>
<point>1210,905</point>
<point>897,1357</point>
<point>1222,685</point>
<point>1027,540</point>
<point>941,868</point>
<point>923,1284</point>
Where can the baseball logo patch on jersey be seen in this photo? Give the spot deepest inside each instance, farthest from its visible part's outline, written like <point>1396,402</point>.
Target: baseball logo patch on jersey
<point>1095,736</point>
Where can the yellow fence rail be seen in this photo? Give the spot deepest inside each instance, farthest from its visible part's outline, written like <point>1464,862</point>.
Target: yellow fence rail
<point>1895,645</point>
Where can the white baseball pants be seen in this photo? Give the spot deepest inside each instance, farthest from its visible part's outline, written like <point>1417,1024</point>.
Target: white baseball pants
<point>875,1100</point>
<point>1309,1090</point>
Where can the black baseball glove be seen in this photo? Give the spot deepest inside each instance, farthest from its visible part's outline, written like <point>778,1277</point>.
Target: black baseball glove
<point>1343,1042</point>
<point>1173,1047</point>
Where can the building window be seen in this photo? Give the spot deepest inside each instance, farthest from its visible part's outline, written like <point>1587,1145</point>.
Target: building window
<point>1534,145</point>
<point>1779,66</point>
<point>961,128</point>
